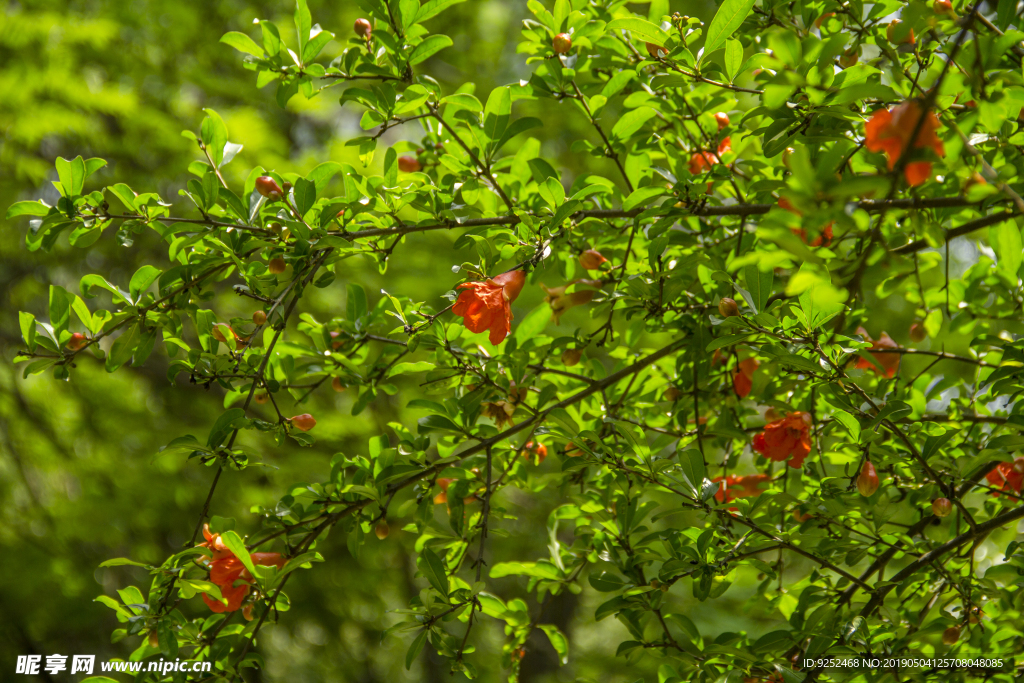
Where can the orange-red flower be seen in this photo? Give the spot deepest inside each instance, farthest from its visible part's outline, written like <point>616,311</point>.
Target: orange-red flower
<point>1007,476</point>
<point>743,378</point>
<point>735,486</point>
<point>888,361</point>
<point>889,131</point>
<point>786,439</point>
<point>537,449</point>
<point>226,569</point>
<point>487,305</point>
<point>702,161</point>
<point>822,240</point>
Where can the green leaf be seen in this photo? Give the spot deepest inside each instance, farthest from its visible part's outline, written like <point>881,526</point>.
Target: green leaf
<point>428,48</point>
<point>759,285</point>
<point>726,22</point>
<point>304,192</point>
<point>222,426</point>
<point>733,58</point>
<point>236,545</point>
<point>642,196</point>
<point>60,309</point>
<point>632,121</point>
<point>356,306</point>
<point>141,280</point>
<point>405,368</point>
<point>462,101</point>
<point>303,23</point>
<point>391,167</point>
<point>432,8</point>
<point>72,175</point>
<point>416,648</point>
<point>497,112</point>
<point>123,348</point>
<point>433,569</point>
<point>242,43</point>
<point>692,463</point>
<point>558,641</point>
<point>533,324</point>
<point>214,135</point>
<point>27,209</point>
<point>640,27</point>
<point>121,561</point>
<point>1006,242</point>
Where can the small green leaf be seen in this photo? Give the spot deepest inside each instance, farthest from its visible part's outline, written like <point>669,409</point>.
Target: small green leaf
<point>642,28</point>
<point>416,648</point>
<point>428,48</point>
<point>432,567</point>
<point>242,43</point>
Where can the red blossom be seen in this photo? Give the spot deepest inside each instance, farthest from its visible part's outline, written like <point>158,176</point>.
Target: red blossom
<point>486,305</point>
<point>226,570</point>
<point>889,131</point>
<point>888,361</point>
<point>1007,476</point>
<point>786,439</point>
<point>742,379</point>
<point>736,486</point>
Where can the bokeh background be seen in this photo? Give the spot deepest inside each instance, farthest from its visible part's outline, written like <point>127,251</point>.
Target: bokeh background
<point>81,477</point>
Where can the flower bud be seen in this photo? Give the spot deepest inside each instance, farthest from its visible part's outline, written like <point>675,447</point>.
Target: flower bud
<point>268,187</point>
<point>867,482</point>
<point>222,332</point>
<point>917,332</point>
<point>672,394</point>
<point>382,530</point>
<point>337,385</point>
<point>303,422</point>
<point>77,341</point>
<point>408,164</point>
<point>891,32</point>
<point>259,317</point>
<point>722,119</point>
<point>247,612</point>
<point>276,266</point>
<point>362,27</point>
<point>849,58</point>
<point>592,259</point>
<point>154,639</point>
<point>561,43</point>
<point>571,357</point>
<point>262,397</point>
<point>951,635</point>
<point>941,507</point>
<point>943,7</point>
<point>727,307</point>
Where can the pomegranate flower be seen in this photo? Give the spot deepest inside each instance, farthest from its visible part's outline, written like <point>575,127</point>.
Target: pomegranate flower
<point>888,361</point>
<point>1007,476</point>
<point>735,486</point>
<point>533,448</point>
<point>702,161</point>
<point>743,378</point>
<point>889,131</point>
<point>786,439</point>
<point>487,305</point>
<point>226,570</point>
